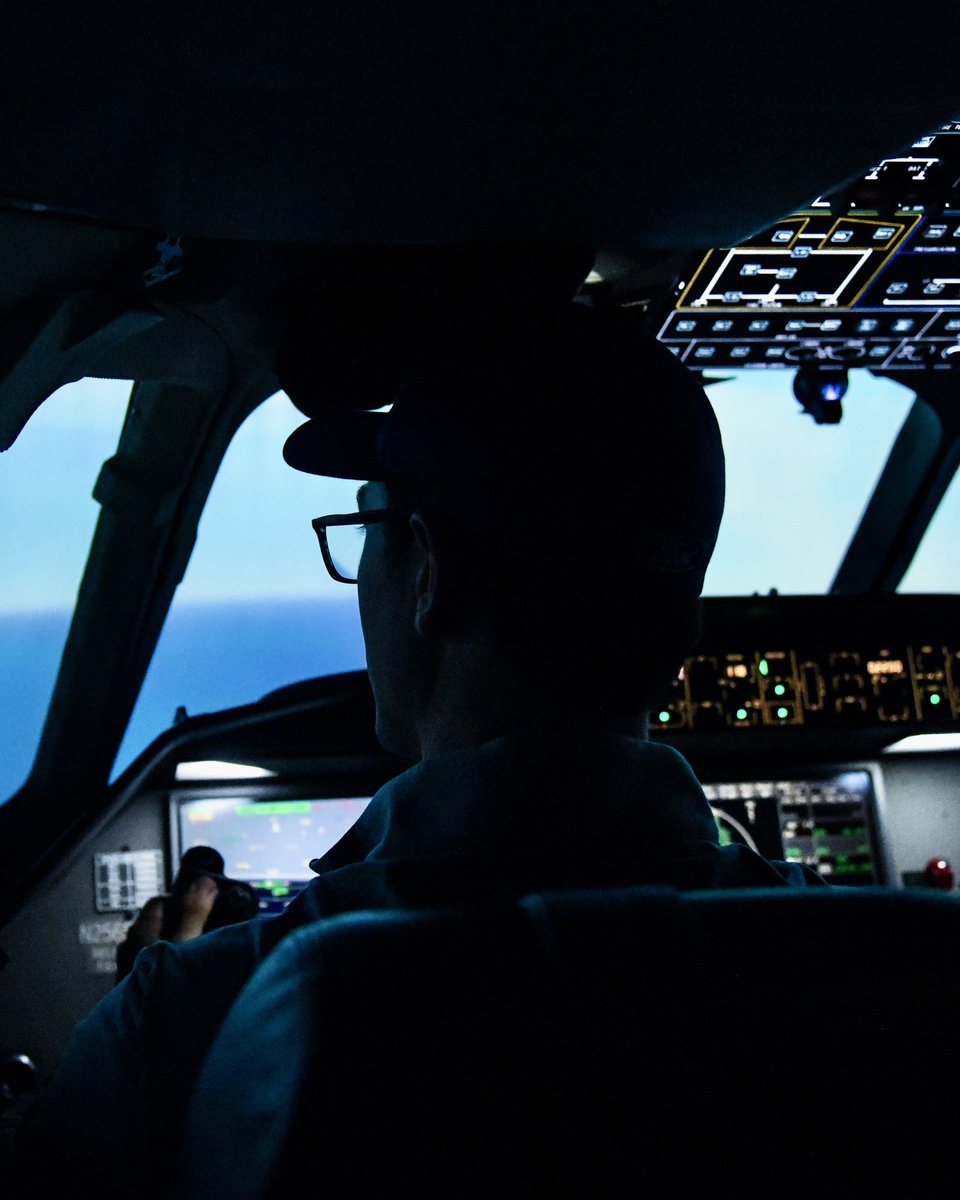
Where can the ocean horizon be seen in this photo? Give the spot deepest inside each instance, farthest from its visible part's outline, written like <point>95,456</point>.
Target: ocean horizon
<point>209,657</point>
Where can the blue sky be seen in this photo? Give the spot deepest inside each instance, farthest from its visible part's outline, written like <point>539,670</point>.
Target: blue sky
<point>795,492</point>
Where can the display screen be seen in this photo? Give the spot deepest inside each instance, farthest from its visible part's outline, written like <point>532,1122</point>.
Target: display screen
<point>868,276</point>
<point>828,821</point>
<point>269,843</point>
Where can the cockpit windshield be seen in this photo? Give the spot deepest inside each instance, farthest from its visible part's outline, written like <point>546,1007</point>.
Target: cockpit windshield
<point>795,489</point>
<point>49,515</point>
<point>256,610</point>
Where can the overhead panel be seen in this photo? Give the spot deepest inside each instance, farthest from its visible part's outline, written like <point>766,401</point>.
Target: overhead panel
<point>867,276</point>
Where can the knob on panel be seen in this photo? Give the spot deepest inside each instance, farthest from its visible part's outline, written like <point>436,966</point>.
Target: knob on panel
<point>938,874</point>
<point>18,1074</point>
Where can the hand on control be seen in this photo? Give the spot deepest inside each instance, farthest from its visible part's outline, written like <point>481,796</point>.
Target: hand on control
<point>198,901</point>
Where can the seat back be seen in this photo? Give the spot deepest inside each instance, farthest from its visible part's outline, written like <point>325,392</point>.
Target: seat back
<point>594,1044</point>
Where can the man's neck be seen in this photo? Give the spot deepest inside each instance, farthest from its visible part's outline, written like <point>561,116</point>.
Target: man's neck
<point>478,697</point>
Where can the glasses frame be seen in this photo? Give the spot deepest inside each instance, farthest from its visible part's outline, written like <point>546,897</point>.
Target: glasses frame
<point>368,517</point>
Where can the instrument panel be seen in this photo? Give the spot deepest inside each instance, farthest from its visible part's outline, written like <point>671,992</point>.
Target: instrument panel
<point>866,276</point>
<point>890,663</point>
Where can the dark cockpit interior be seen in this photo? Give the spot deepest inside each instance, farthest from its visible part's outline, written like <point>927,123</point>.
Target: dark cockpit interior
<point>767,192</point>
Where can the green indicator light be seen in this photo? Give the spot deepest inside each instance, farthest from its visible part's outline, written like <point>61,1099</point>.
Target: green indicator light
<point>741,714</point>
<point>934,697</point>
<point>783,712</point>
<point>664,717</point>
<point>274,808</point>
<point>280,891</point>
<point>763,667</point>
<point>779,690</point>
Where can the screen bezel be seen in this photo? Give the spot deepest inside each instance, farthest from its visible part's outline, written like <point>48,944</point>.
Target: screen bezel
<point>877,818</point>
<point>252,792</point>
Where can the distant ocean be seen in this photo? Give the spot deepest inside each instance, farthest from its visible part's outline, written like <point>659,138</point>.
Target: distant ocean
<point>209,657</point>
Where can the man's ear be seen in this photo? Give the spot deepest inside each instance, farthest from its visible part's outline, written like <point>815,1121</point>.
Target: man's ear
<point>428,578</point>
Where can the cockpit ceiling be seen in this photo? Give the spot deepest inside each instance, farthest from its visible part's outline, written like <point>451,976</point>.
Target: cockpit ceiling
<point>661,125</point>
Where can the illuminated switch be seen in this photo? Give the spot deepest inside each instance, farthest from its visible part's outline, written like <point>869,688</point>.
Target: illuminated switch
<point>781,714</point>
<point>779,691</point>
<point>669,716</point>
<point>761,326</point>
<point>867,325</point>
<point>740,352</point>
<point>935,705</point>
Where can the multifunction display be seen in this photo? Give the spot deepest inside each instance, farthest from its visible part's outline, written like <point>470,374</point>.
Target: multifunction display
<point>826,822</point>
<point>269,843</point>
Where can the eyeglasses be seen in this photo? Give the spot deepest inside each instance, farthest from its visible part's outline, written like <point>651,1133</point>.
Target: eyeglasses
<point>341,537</point>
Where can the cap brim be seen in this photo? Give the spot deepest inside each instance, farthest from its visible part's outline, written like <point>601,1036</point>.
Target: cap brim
<point>340,444</point>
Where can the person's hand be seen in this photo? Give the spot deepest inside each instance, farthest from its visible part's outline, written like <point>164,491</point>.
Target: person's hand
<point>198,900</point>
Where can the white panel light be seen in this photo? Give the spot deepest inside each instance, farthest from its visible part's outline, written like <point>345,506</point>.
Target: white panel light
<point>212,769</point>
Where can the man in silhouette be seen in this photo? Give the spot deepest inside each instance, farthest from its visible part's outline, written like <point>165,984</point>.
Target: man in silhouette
<point>537,511</point>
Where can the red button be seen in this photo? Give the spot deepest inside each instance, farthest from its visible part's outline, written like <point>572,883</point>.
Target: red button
<point>938,874</point>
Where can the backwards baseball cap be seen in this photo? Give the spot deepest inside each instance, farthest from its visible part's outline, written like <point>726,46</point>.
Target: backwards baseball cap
<point>569,421</point>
